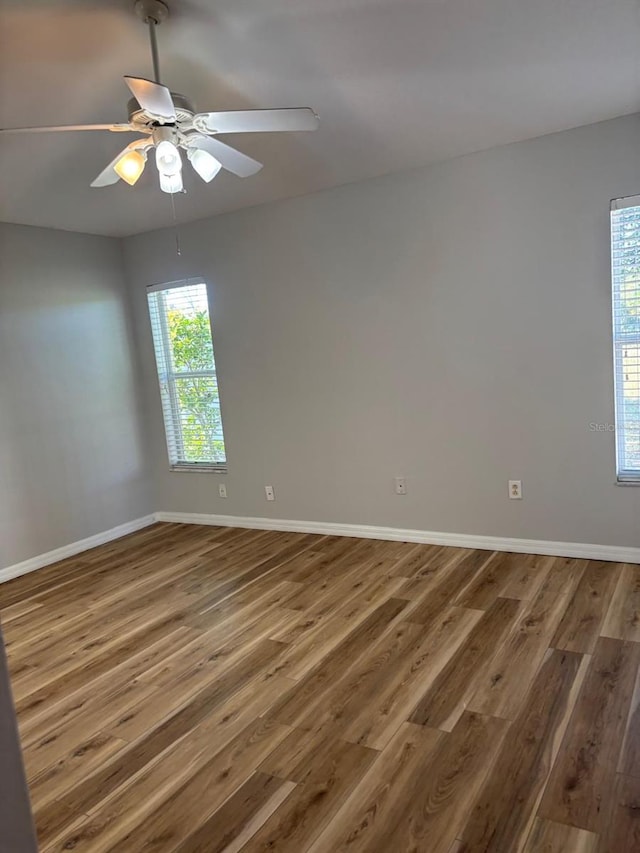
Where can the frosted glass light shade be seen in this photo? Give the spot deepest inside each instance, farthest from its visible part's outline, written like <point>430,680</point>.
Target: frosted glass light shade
<point>171,183</point>
<point>204,163</point>
<point>130,166</point>
<point>168,158</point>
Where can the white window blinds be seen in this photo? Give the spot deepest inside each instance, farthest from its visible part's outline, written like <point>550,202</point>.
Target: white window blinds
<point>625,269</point>
<point>187,373</point>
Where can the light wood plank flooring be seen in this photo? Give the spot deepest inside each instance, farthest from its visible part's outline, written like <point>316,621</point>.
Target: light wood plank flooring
<point>206,689</point>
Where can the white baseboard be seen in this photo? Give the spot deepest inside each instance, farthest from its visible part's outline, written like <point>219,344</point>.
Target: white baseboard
<point>74,548</point>
<point>613,553</point>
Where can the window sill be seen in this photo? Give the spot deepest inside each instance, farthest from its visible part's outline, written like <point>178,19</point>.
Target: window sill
<point>199,469</point>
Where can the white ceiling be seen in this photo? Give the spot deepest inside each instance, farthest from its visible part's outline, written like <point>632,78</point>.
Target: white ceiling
<point>397,84</point>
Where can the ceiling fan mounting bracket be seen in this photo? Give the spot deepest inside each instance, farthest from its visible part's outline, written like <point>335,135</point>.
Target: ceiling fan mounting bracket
<point>154,11</point>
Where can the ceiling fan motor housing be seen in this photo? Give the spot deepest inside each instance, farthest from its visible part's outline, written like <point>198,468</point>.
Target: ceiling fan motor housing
<point>184,112</point>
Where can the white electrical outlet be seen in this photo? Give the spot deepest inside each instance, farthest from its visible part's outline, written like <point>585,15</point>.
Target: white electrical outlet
<point>515,490</point>
<point>401,486</point>
<point>269,493</point>
<point>222,490</point>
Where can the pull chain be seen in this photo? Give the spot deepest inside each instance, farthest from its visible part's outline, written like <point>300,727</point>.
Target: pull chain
<point>176,228</point>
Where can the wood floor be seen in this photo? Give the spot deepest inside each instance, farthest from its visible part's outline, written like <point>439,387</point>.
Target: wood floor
<point>206,689</point>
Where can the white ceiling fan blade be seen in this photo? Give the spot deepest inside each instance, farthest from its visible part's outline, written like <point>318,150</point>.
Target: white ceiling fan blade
<point>228,157</point>
<point>257,121</point>
<point>108,175</point>
<point>114,128</point>
<point>152,97</point>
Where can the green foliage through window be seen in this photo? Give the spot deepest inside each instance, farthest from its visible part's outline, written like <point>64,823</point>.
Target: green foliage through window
<point>187,373</point>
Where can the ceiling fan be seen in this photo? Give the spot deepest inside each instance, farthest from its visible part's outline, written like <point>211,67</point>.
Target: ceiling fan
<point>168,122</point>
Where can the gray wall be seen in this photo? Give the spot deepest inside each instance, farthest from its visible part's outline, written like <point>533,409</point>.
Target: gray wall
<point>450,325</point>
<point>72,459</point>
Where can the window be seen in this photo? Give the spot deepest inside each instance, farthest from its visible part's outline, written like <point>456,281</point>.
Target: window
<point>187,373</point>
<point>625,269</point>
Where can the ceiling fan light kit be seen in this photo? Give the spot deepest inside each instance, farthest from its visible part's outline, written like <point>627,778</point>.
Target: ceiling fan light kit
<point>169,123</point>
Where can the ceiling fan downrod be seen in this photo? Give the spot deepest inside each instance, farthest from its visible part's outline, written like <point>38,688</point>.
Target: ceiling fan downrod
<point>153,13</point>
